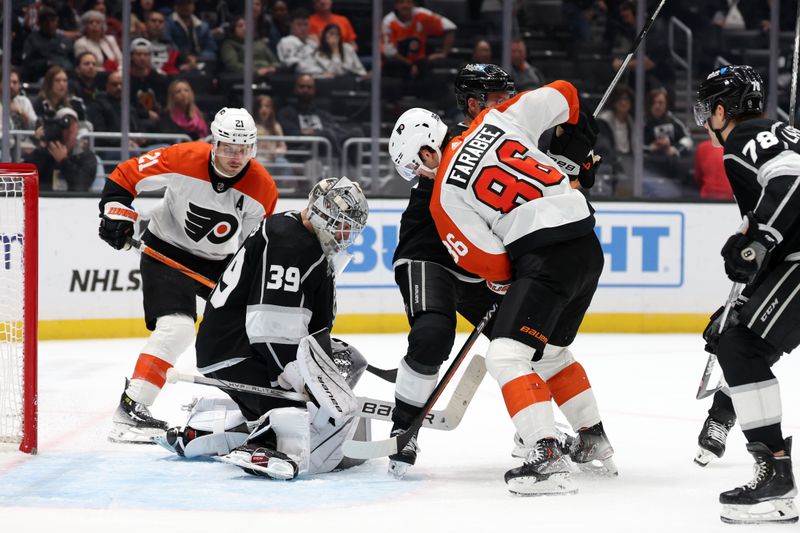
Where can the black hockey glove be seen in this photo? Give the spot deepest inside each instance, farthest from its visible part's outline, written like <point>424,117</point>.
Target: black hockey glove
<point>572,149</point>
<point>715,328</point>
<point>116,224</point>
<point>747,251</point>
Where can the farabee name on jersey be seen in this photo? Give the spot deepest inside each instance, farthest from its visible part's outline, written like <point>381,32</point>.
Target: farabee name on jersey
<point>471,154</point>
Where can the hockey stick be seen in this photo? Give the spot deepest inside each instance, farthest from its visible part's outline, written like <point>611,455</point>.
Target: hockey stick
<point>446,419</point>
<point>793,91</point>
<point>387,375</point>
<point>158,256</point>
<point>703,391</point>
<point>634,48</point>
<point>386,447</point>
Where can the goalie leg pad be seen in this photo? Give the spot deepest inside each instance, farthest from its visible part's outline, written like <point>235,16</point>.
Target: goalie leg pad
<point>172,336</point>
<point>335,401</point>
<point>293,438</point>
<point>570,386</point>
<point>526,394</point>
<point>218,426</point>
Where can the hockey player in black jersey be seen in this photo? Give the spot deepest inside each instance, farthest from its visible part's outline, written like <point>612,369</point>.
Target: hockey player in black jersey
<point>762,162</point>
<point>434,288</point>
<point>275,292</point>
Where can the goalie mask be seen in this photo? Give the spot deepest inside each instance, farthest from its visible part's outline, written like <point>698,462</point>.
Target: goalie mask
<point>415,129</point>
<point>337,210</point>
<point>234,141</point>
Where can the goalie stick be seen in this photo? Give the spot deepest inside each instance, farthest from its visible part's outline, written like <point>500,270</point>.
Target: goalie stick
<point>387,375</point>
<point>703,391</point>
<point>390,446</point>
<point>447,419</point>
<point>634,48</point>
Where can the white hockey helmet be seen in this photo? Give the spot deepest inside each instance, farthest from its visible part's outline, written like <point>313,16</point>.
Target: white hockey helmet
<point>414,129</point>
<point>337,209</point>
<point>232,125</point>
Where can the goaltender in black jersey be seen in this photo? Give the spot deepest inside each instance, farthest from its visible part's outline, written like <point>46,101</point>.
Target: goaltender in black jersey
<point>762,162</point>
<point>257,329</point>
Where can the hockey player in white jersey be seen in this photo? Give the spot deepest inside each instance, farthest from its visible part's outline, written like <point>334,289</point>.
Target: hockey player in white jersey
<point>512,215</point>
<point>279,288</point>
<point>215,195</point>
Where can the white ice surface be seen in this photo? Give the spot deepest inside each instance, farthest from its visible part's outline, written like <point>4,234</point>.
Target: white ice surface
<point>645,384</point>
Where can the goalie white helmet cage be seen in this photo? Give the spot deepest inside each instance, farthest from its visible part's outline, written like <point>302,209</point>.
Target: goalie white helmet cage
<point>337,210</point>
<point>232,125</point>
<point>414,129</point>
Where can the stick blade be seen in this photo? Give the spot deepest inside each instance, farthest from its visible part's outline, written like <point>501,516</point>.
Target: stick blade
<point>374,449</point>
<point>462,396</point>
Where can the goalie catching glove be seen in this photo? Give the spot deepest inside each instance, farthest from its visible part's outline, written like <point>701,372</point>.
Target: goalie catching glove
<point>116,224</point>
<point>572,148</point>
<point>332,401</point>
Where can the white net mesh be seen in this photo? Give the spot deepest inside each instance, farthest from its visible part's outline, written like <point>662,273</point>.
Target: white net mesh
<point>12,289</point>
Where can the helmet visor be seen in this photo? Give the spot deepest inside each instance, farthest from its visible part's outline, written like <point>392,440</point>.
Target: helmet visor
<point>702,112</point>
<point>408,171</point>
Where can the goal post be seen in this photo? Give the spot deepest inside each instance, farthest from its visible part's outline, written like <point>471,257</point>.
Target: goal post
<point>19,212</point>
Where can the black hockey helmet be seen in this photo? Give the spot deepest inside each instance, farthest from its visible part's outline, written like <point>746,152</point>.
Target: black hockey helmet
<point>737,87</point>
<point>476,80</point>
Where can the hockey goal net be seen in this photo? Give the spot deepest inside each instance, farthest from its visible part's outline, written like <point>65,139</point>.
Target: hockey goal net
<point>19,195</point>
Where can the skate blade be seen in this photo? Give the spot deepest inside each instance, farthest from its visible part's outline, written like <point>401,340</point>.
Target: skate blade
<point>398,469</point>
<point>276,469</point>
<point>123,434</point>
<point>703,457</point>
<point>599,468</point>
<point>162,441</point>
<point>556,484</point>
<point>781,511</point>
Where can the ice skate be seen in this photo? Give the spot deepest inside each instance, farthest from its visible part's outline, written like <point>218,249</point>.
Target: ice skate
<point>175,439</point>
<point>260,461</point>
<point>712,439</point>
<point>565,442</point>
<point>545,471</point>
<point>133,423</point>
<point>592,452</point>
<point>400,462</point>
<point>769,497</point>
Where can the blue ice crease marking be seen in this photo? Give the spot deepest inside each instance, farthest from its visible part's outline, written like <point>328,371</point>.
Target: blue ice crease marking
<point>138,480</point>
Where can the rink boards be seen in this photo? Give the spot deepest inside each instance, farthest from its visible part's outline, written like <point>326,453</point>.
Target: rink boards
<point>663,271</point>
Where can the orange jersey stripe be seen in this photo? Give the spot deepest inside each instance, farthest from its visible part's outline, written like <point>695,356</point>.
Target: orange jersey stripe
<point>571,94</point>
<point>191,160</point>
<point>151,369</point>
<point>492,267</point>
<point>523,391</point>
<point>569,383</point>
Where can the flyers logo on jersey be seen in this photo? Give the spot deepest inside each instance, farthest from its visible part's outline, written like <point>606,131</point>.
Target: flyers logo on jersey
<point>202,223</point>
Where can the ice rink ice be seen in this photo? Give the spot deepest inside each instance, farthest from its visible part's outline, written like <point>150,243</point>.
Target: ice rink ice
<point>645,386</point>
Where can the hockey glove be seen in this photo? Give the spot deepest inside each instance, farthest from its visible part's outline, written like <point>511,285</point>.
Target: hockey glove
<point>116,224</point>
<point>716,328</point>
<point>747,251</point>
<point>499,287</point>
<point>572,149</point>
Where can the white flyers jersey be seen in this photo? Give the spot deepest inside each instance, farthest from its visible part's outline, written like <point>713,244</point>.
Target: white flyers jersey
<point>193,216</point>
<point>497,195</point>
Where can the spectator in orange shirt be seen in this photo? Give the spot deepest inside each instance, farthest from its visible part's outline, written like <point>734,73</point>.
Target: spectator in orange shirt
<point>709,172</point>
<point>405,32</point>
<point>322,16</point>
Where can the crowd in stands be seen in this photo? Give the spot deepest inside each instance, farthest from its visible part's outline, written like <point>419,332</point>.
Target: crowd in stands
<point>312,66</point>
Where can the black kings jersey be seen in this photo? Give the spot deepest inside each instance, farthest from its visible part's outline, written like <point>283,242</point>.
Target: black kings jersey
<point>419,240</point>
<point>277,289</point>
<point>762,162</point>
